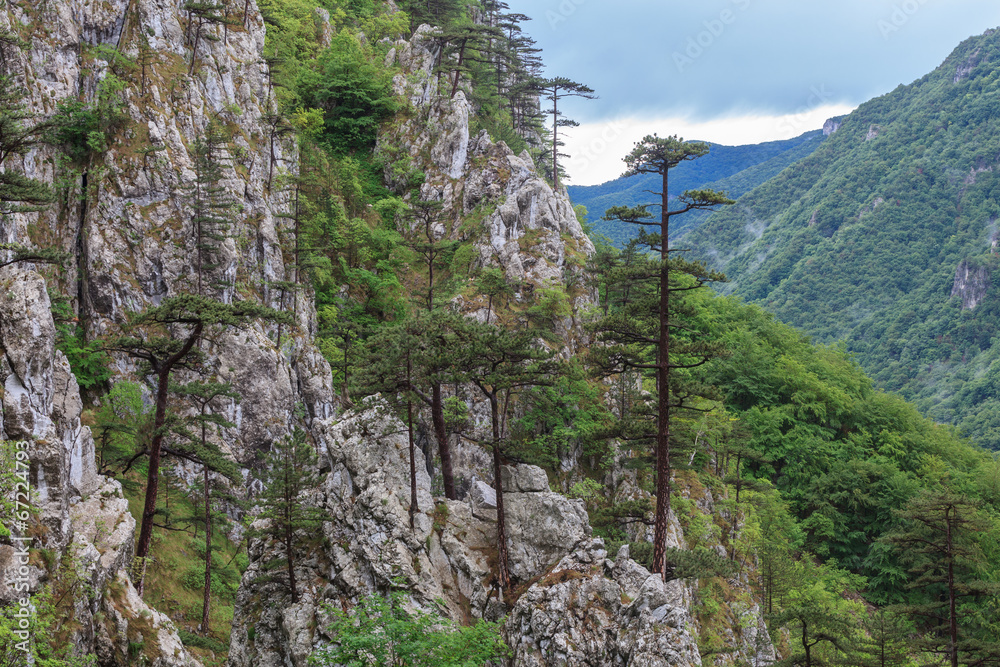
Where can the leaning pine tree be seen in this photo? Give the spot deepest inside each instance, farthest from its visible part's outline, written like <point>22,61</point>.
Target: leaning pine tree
<point>647,325</point>
<point>165,339</point>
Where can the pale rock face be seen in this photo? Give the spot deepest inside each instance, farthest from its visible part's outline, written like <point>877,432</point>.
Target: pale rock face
<point>133,231</point>
<point>468,173</point>
<point>369,545</point>
<point>132,240</point>
<point>129,619</point>
<point>971,284</point>
<point>526,229</point>
<point>41,401</point>
<point>592,612</point>
<point>87,515</point>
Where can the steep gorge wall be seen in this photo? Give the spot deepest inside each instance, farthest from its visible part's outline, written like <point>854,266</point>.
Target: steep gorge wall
<point>126,221</point>
<point>579,607</point>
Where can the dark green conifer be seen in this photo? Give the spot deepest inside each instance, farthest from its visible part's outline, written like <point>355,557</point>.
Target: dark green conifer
<point>554,90</point>
<point>164,337</point>
<point>939,540</point>
<point>289,469</point>
<point>642,340</point>
<point>199,448</point>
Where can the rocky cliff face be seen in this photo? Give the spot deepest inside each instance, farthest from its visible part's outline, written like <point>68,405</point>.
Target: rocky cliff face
<point>971,284</point>
<point>527,229</point>
<point>578,607</point>
<point>125,217</point>
<point>85,520</point>
<point>127,223</point>
<point>368,546</point>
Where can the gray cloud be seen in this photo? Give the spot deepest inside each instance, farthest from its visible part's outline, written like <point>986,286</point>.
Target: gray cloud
<point>711,58</point>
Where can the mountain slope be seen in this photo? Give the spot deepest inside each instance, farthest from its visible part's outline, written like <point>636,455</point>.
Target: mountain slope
<point>735,169</point>
<point>885,236</point>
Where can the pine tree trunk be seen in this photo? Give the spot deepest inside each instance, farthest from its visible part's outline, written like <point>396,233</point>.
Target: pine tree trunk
<point>153,476</point>
<point>289,538</point>
<point>444,451</point>
<point>663,391</point>
<point>555,138</point>
<point>952,597</point>
<point>208,552</point>
<point>409,432</point>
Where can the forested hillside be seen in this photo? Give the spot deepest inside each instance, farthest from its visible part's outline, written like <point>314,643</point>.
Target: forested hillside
<point>307,360</point>
<point>885,238</point>
<point>733,169</point>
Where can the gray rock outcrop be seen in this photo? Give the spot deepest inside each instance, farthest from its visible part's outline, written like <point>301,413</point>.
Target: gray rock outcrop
<point>527,229</point>
<point>368,545</point>
<point>593,612</point>
<point>971,284</point>
<point>127,222</point>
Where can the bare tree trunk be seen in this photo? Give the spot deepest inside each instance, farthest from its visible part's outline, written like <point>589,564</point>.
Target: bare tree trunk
<point>153,475</point>
<point>206,605</point>
<point>409,430</point>
<point>503,567</point>
<point>663,390</point>
<point>444,451</point>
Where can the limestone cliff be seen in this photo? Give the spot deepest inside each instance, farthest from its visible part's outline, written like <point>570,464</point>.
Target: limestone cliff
<point>525,227</point>
<point>86,521</point>
<point>125,219</point>
<point>971,284</point>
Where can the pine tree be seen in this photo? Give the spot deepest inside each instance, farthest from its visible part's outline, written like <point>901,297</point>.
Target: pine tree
<point>464,40</point>
<point>164,337</point>
<point>211,205</point>
<point>938,539</point>
<point>19,131</point>
<point>823,624</point>
<point>554,90</point>
<point>416,356</point>
<point>655,155</point>
<point>200,449</point>
<point>889,640</point>
<point>289,469</point>
<point>145,59</point>
<point>435,256</point>
<point>501,363</point>
<point>200,15</point>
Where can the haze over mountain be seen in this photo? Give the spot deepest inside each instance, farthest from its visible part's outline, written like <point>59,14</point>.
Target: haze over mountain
<point>885,237</point>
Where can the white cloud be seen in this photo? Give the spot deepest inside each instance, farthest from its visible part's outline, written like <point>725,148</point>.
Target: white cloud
<point>596,149</point>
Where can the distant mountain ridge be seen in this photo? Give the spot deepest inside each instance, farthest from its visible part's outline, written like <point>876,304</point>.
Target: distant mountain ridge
<point>735,169</point>
<point>886,237</point>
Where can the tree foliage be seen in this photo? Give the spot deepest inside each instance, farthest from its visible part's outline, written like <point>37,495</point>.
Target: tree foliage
<point>382,632</point>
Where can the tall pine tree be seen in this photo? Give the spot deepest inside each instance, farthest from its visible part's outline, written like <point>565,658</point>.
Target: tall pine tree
<point>652,331</point>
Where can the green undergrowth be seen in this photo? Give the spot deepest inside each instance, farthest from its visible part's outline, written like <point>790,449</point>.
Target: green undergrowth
<point>174,582</point>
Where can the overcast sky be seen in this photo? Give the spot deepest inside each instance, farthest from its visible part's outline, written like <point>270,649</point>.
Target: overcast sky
<point>734,71</point>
